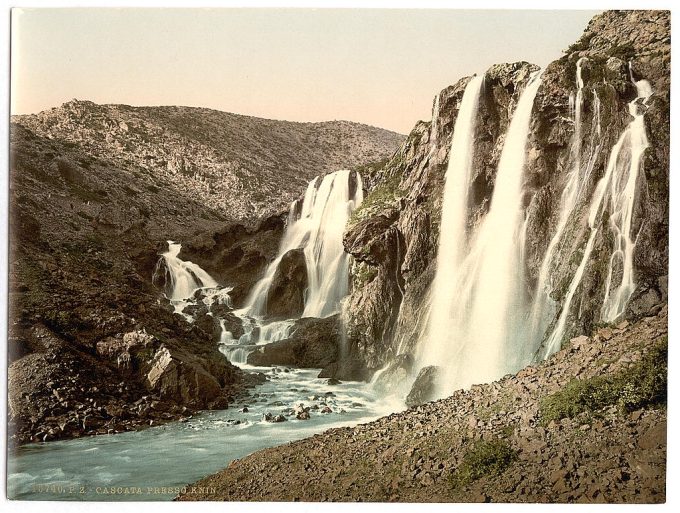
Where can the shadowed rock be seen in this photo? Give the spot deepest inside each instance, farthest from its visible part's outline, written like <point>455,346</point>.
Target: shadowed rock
<point>424,387</point>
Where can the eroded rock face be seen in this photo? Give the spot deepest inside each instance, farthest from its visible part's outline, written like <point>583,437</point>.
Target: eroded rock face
<point>394,235</point>
<point>286,297</point>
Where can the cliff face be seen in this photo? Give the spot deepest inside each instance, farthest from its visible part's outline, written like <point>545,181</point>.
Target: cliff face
<point>394,236</point>
<point>243,167</point>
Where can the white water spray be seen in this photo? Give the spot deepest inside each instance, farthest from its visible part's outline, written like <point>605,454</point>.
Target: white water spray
<point>483,304</point>
<point>453,238</point>
<point>325,210</point>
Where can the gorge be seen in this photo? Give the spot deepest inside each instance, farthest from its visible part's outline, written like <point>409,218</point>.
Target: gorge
<point>457,280</point>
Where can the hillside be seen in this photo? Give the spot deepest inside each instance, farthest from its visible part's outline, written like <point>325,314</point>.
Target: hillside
<point>241,166</point>
<point>95,191</point>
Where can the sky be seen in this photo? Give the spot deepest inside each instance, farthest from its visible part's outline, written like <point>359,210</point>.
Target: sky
<point>376,66</point>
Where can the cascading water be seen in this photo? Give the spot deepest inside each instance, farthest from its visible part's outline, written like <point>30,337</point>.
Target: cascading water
<point>483,336</point>
<point>544,307</point>
<point>616,189</point>
<point>454,214</point>
<point>621,204</point>
<point>325,210</point>
<point>316,224</point>
<point>180,279</point>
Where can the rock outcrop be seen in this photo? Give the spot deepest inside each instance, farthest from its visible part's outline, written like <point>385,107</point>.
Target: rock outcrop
<point>286,298</point>
<point>313,343</point>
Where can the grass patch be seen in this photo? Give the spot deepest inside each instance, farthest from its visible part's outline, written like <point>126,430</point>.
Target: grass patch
<point>485,458</point>
<point>365,274</point>
<point>645,384</point>
<point>382,196</point>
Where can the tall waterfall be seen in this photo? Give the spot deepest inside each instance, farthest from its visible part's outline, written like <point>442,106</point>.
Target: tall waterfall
<point>484,299</point>
<point>317,225</point>
<point>615,191</point>
<point>454,214</point>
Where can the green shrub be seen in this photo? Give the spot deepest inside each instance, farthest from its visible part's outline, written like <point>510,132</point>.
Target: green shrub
<point>645,384</point>
<point>485,458</point>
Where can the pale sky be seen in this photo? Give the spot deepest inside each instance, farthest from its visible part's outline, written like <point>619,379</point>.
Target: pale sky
<point>381,67</point>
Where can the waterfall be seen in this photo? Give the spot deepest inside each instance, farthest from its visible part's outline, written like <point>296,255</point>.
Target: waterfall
<point>323,215</point>
<point>316,224</point>
<point>544,307</point>
<point>180,280</point>
<point>617,188</point>
<point>454,214</point>
<point>622,195</point>
<point>478,313</point>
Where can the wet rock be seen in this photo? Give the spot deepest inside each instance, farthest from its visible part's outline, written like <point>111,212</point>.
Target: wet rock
<point>424,387</point>
<point>312,344</point>
<point>286,294</point>
<point>303,415</point>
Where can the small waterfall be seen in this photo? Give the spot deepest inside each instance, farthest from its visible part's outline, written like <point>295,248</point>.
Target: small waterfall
<point>476,326</point>
<point>324,212</point>
<point>180,279</point>
<point>621,204</point>
<point>544,307</point>
<point>617,188</point>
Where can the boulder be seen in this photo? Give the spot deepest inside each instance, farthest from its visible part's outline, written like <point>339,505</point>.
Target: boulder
<point>312,344</point>
<point>286,298</point>
<point>424,387</point>
<point>182,377</point>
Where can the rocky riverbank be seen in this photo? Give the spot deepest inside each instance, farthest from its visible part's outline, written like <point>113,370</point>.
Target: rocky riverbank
<point>587,425</point>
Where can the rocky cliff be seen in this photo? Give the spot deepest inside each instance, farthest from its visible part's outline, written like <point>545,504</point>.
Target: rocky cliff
<point>394,235</point>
